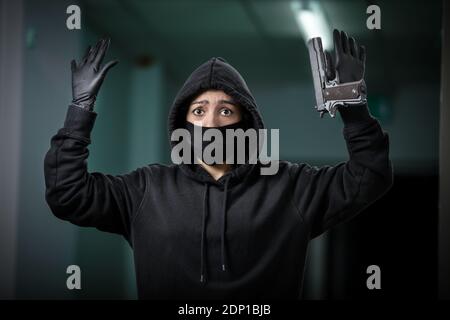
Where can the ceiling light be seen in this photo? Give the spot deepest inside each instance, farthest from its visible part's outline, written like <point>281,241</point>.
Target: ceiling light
<point>312,23</point>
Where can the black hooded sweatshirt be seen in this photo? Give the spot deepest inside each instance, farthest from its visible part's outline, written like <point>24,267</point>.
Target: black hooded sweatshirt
<point>242,236</point>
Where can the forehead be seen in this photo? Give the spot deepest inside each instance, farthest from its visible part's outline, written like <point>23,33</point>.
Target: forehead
<point>213,95</point>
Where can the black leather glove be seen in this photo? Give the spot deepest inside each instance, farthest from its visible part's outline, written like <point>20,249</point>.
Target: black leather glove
<point>87,76</point>
<point>350,59</point>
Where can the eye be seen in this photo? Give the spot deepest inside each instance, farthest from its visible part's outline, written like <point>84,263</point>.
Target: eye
<point>226,112</point>
<point>198,111</point>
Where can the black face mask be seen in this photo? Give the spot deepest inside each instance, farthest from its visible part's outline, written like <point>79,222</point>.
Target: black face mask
<point>238,125</point>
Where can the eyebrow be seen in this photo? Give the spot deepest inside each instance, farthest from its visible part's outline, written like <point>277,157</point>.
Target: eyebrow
<point>220,102</point>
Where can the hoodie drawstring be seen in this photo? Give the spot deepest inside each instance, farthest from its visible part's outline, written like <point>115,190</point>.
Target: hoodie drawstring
<point>205,210</point>
<point>203,240</point>
<point>224,221</point>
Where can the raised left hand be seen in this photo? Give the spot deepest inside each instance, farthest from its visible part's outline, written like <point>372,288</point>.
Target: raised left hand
<point>349,60</point>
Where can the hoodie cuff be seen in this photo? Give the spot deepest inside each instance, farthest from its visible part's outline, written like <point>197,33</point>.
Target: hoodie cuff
<point>354,115</point>
<point>79,121</point>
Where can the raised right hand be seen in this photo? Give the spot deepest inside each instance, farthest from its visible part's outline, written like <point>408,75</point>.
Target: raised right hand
<point>87,76</point>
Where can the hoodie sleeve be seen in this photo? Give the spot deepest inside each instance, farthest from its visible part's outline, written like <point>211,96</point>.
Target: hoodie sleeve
<point>94,199</point>
<point>329,195</point>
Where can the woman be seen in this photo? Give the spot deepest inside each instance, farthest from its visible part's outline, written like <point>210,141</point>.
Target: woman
<point>216,231</point>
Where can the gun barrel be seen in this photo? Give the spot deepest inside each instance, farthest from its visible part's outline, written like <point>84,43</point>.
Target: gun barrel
<point>317,60</point>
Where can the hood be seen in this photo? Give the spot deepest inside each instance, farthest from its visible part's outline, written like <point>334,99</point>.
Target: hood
<point>218,74</point>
